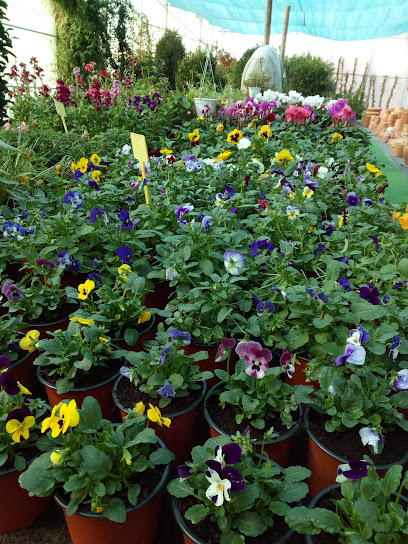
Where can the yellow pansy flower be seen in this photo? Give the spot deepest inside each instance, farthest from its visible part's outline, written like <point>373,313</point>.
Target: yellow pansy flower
<point>200,118</point>
<point>82,165</point>
<point>28,343</point>
<point>99,509</point>
<point>23,390</point>
<point>154,414</point>
<point>373,169</point>
<point>140,408</point>
<point>223,156</point>
<point>68,416</point>
<point>265,132</point>
<point>85,288</point>
<point>95,159</point>
<point>234,136</point>
<point>194,136</point>
<point>144,316</point>
<point>307,192</point>
<point>311,229</point>
<point>58,168</point>
<point>24,179</point>
<point>104,340</point>
<point>20,428</point>
<point>56,457</point>
<point>292,194</point>
<point>124,269</point>
<point>166,151</point>
<point>220,127</point>
<point>284,155</point>
<point>82,320</point>
<point>74,167</point>
<point>96,175</point>
<point>403,221</point>
<point>336,137</point>
<point>395,215</point>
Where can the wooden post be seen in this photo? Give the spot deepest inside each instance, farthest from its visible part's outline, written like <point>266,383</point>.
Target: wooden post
<point>268,21</point>
<point>284,34</point>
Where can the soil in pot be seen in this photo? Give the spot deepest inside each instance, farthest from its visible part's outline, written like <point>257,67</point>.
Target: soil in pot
<point>51,321</point>
<point>209,532</point>
<point>184,412</point>
<point>225,421</point>
<point>98,383</point>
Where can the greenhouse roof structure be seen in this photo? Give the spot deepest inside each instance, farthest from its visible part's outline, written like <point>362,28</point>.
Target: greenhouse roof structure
<point>344,20</point>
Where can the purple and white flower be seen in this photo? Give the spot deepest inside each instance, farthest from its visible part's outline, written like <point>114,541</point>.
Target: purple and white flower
<point>74,199</point>
<point>166,392</point>
<point>227,344</point>
<point>286,362</point>
<point>358,336</point>
<point>353,470</point>
<point>370,438</point>
<point>219,490</point>
<point>233,261</point>
<point>179,337</point>
<point>163,354</point>
<point>396,342</point>
<point>171,273</point>
<point>401,383</point>
<point>256,358</point>
<point>353,354</point>
<point>181,210</point>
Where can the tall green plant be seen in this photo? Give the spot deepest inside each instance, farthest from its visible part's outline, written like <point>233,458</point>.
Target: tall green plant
<point>5,52</point>
<point>236,73</point>
<point>121,33</point>
<point>309,75</point>
<point>169,53</point>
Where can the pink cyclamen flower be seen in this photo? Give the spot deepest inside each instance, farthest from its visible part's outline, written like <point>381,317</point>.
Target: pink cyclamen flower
<point>256,358</point>
<point>224,348</point>
<point>7,126</point>
<point>286,362</point>
<point>22,127</point>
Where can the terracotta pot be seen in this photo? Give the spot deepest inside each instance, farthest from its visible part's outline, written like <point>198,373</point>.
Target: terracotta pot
<point>17,509</point>
<point>324,463</point>
<point>102,392</point>
<point>405,154</point>
<point>182,435</point>
<point>365,121</point>
<point>299,376</point>
<point>384,117</point>
<point>392,118</point>
<point>146,332</point>
<point>405,128</point>
<point>398,125</point>
<point>191,538</point>
<point>141,526</point>
<point>278,451</point>
<point>314,502</point>
<point>23,369</point>
<point>404,117</point>
<point>210,364</point>
<point>160,296</point>
<point>397,150</point>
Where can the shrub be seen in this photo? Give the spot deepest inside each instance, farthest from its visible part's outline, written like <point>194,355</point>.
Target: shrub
<point>169,53</point>
<point>308,75</point>
<point>191,69</point>
<point>5,44</point>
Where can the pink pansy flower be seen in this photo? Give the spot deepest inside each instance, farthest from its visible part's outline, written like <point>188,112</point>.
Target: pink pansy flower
<point>224,348</point>
<point>22,127</point>
<point>256,358</point>
<point>286,362</point>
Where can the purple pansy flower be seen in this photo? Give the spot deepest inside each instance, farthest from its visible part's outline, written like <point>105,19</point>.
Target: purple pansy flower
<point>181,210</point>
<point>376,242</point>
<point>7,379</point>
<point>125,253</point>
<point>166,392</point>
<point>44,262</point>
<point>64,259</point>
<point>164,353</point>
<point>401,383</point>
<point>353,470</point>
<point>368,202</point>
<point>256,358</point>
<point>93,216</point>
<point>229,192</point>
<point>353,199</point>
<point>344,282</point>
<point>259,246</point>
<point>370,293</point>
<point>12,292</point>
<point>96,278</point>
<point>396,342</point>
<point>227,344</point>
<point>358,336</point>
<point>184,338</point>
<point>206,222</point>
<point>353,354</point>
<point>92,183</point>
<point>183,471</point>
<point>320,247</point>
<point>386,299</point>
<point>19,413</point>
<point>126,222</point>
<point>286,361</point>
<point>74,199</point>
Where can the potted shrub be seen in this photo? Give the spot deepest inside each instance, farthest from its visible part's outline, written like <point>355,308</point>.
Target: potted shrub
<point>355,408</point>
<point>20,424</point>
<point>254,396</point>
<point>108,478</point>
<point>229,494</point>
<point>256,82</point>
<point>79,361</point>
<point>207,100</point>
<point>166,376</point>
<point>364,508</point>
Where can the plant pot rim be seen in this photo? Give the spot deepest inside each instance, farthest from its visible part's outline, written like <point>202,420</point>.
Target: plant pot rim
<point>315,500</point>
<point>343,460</point>
<point>184,527</point>
<point>149,326</point>
<point>171,416</point>
<point>46,383</point>
<point>20,360</point>
<point>61,502</point>
<point>4,472</point>
<point>292,431</point>
<point>52,323</point>
<point>205,99</point>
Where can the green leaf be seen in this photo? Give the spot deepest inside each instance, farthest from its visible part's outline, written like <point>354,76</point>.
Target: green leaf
<point>365,311</point>
<point>244,499</point>
<point>296,473</point>
<point>391,480</point>
<point>206,266</point>
<point>251,524</point>
<point>37,481</point>
<point>96,462</point>
<point>100,489</point>
<point>147,436</point>
<point>232,538</point>
<point>115,510</point>
<point>197,513</point>
<point>249,404</point>
<point>186,252</point>
<point>347,490</point>
<point>322,323</point>
<point>222,314</point>
<point>162,456</point>
<point>367,510</point>
<point>179,488</point>
<point>91,415</point>
<point>133,493</point>
<point>75,482</point>
<point>131,336</point>
<point>20,463</point>
<point>231,397</point>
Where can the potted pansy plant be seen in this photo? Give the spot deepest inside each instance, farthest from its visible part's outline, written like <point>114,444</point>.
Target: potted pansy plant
<point>361,508</point>
<point>357,406</point>
<point>165,375</point>
<point>101,473</point>
<point>254,396</point>
<point>77,361</point>
<point>227,493</point>
<point>20,423</point>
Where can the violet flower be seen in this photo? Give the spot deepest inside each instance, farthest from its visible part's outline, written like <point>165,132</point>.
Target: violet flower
<point>257,247</point>
<point>183,471</point>
<point>163,354</point>
<point>74,199</point>
<point>353,354</point>
<point>376,242</point>
<point>320,247</point>
<point>286,361</point>
<point>368,202</point>
<point>396,342</point>
<point>179,337</point>
<point>353,470</point>
<point>12,292</point>
<point>352,199</point>
<point>166,392</point>
<point>370,438</point>
<point>126,222</point>
<point>226,346</point>
<point>256,358</point>
<point>44,262</point>
<point>125,253</point>
<point>206,222</point>
<point>344,282</point>
<point>181,210</point>
<point>358,336</point>
<point>7,379</point>
<point>401,383</point>
<point>370,293</point>
<point>19,413</point>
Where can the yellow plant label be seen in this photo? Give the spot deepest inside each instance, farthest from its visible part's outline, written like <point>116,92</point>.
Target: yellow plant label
<point>59,106</point>
<point>140,153</point>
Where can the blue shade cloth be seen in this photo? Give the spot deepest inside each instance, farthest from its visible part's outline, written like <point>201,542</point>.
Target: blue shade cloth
<point>344,20</point>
